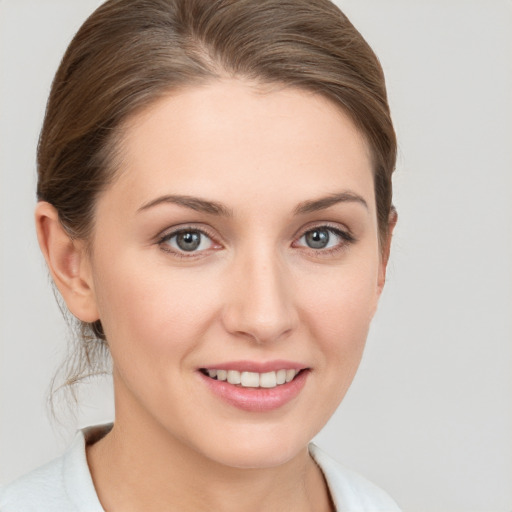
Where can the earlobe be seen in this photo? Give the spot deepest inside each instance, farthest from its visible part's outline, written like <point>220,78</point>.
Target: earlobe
<point>68,263</point>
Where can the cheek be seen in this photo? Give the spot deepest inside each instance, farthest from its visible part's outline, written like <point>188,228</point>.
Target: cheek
<point>337,311</point>
<point>341,304</point>
<point>145,308</point>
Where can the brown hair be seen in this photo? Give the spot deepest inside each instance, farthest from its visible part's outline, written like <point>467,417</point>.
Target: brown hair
<point>131,52</point>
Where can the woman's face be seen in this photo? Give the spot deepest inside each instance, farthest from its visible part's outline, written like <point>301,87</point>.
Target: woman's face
<point>239,240</point>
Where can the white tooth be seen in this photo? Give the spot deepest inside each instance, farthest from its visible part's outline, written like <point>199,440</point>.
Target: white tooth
<point>250,379</point>
<point>222,374</point>
<point>280,376</point>
<point>268,380</point>
<point>233,377</point>
<point>290,374</point>
<point>212,373</point>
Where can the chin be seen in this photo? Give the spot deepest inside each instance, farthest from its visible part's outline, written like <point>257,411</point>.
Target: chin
<point>268,450</point>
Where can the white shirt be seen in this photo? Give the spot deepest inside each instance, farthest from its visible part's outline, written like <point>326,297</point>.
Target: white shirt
<point>65,484</point>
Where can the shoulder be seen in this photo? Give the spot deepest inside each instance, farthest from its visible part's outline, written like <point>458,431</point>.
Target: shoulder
<point>62,485</point>
<point>39,490</point>
<point>350,491</point>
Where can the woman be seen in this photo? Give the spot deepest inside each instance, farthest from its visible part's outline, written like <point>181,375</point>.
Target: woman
<point>215,210</point>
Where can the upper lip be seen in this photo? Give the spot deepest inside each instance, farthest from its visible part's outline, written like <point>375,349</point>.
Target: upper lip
<point>256,366</point>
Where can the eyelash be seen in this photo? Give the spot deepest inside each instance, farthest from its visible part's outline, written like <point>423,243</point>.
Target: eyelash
<point>346,240</point>
<point>346,237</point>
<point>165,238</point>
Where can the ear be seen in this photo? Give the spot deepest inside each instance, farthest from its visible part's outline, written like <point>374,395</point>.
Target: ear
<point>392,220</point>
<point>68,263</point>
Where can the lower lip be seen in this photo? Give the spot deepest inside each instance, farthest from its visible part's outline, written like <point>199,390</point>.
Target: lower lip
<point>257,399</point>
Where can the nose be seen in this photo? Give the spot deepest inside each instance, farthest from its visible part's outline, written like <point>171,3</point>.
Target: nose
<point>259,301</point>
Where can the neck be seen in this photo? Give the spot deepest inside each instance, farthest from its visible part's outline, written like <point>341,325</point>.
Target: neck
<point>140,466</point>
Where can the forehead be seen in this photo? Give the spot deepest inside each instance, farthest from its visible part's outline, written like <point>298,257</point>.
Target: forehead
<point>240,138</point>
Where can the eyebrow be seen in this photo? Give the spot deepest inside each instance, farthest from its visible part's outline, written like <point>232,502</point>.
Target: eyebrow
<point>327,201</point>
<point>194,203</point>
<point>215,208</point>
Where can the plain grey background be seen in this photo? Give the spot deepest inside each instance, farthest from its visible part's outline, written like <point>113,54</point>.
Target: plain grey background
<point>429,416</point>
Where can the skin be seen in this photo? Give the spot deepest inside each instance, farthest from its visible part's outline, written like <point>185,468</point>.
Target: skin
<point>253,291</point>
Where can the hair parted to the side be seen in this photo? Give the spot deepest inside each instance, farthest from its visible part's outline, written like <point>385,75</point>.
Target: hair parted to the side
<point>129,53</point>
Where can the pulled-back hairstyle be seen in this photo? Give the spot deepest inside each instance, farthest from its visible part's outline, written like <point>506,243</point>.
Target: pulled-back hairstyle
<point>129,53</point>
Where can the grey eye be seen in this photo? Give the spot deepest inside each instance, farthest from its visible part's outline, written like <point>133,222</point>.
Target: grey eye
<point>323,238</point>
<point>317,238</point>
<point>189,240</point>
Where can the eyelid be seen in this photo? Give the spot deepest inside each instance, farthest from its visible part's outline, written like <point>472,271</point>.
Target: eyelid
<point>331,226</point>
<point>342,232</point>
<point>169,233</point>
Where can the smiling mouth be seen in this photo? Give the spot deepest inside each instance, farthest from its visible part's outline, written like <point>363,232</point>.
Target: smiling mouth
<point>265,380</point>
